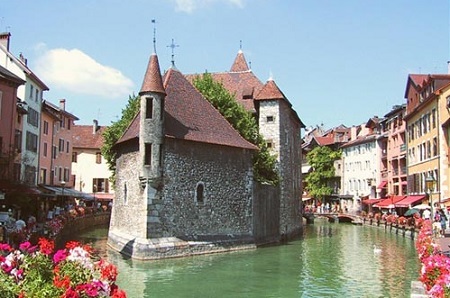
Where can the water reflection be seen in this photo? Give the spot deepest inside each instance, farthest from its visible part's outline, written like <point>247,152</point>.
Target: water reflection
<point>331,260</point>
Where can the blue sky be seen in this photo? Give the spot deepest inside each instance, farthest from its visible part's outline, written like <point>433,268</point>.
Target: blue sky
<point>337,61</point>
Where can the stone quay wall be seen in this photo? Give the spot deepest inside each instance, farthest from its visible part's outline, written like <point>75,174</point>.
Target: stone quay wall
<point>80,224</point>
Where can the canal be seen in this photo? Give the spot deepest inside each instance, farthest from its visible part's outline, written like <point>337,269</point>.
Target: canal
<point>330,260</point>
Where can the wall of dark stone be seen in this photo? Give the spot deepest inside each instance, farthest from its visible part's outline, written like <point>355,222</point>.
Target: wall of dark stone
<point>227,176</point>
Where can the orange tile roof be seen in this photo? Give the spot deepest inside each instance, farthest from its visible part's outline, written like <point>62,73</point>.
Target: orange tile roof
<point>239,64</point>
<point>152,79</point>
<point>189,116</point>
<point>83,136</point>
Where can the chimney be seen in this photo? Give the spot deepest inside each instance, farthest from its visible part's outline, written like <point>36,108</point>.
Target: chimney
<point>95,127</point>
<point>62,104</point>
<point>4,39</point>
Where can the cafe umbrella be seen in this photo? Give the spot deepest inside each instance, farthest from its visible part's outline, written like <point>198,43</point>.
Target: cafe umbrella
<point>411,212</point>
<point>422,207</point>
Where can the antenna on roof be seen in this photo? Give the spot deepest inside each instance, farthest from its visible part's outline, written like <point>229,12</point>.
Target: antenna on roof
<point>154,35</point>
<point>173,46</point>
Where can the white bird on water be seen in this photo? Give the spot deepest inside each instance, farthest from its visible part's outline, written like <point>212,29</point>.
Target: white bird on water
<point>376,250</point>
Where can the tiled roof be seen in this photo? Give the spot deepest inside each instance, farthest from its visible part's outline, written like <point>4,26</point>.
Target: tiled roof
<point>152,79</point>
<point>418,79</point>
<point>83,136</point>
<point>188,116</point>
<point>324,141</point>
<point>239,64</point>
<point>239,84</point>
<point>191,117</point>
<point>270,91</point>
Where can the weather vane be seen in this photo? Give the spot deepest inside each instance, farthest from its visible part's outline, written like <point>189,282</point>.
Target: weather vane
<point>173,46</point>
<point>154,35</point>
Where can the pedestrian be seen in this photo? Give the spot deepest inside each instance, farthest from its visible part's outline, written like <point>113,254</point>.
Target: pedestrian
<point>20,225</point>
<point>426,214</point>
<point>31,223</point>
<point>443,220</point>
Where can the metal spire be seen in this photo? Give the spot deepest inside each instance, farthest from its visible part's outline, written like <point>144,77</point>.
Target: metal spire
<point>154,35</point>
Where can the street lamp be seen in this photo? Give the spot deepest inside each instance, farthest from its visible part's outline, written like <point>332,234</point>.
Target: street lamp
<point>429,184</point>
<point>63,184</point>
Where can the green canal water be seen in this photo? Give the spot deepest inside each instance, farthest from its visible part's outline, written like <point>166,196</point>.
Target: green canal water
<point>330,260</point>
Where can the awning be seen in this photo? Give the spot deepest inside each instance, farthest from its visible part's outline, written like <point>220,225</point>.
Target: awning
<point>406,202</point>
<point>389,202</point>
<point>63,191</point>
<point>10,188</point>
<point>371,201</point>
<point>101,196</point>
<point>382,184</point>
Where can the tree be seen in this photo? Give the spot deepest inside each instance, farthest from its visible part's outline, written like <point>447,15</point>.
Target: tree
<point>321,159</point>
<point>264,163</point>
<point>113,133</point>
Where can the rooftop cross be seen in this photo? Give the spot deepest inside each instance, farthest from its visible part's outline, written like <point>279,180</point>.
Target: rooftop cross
<point>173,46</point>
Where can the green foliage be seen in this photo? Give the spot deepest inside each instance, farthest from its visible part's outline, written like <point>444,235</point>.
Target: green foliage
<point>113,133</point>
<point>321,159</point>
<point>264,164</point>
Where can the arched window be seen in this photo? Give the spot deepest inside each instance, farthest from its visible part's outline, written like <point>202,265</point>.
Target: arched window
<point>200,193</point>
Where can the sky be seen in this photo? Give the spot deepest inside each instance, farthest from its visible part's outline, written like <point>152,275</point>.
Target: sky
<point>337,61</point>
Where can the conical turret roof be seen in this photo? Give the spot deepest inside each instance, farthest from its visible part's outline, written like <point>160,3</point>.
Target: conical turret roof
<point>152,79</point>
<point>239,64</point>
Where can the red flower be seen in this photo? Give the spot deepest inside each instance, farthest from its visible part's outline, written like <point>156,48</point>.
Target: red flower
<point>70,293</point>
<point>108,271</point>
<point>72,244</point>
<point>117,293</point>
<point>46,246</point>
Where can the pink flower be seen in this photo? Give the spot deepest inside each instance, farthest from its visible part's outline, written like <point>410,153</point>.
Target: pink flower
<point>59,256</point>
<point>25,246</point>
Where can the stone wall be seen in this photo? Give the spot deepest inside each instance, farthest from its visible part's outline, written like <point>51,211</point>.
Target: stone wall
<point>80,224</point>
<point>266,210</point>
<point>227,178</point>
<point>291,174</point>
<point>129,212</point>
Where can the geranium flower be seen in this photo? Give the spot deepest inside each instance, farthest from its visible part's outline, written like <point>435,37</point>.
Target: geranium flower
<point>69,273</point>
<point>59,256</point>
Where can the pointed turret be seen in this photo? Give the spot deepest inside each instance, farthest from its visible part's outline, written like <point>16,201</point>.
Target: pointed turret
<point>270,91</point>
<point>239,64</point>
<point>152,79</point>
<point>151,126</point>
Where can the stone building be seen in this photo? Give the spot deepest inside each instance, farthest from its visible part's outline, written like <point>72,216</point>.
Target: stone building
<point>184,178</point>
<point>280,126</point>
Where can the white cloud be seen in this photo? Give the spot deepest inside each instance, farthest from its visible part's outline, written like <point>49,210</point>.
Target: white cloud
<point>191,5</point>
<point>77,72</point>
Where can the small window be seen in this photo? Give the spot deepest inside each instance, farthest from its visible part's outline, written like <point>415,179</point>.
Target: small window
<point>74,157</point>
<point>269,119</point>
<point>269,145</point>
<point>149,108</point>
<point>98,157</point>
<point>45,127</point>
<point>199,193</point>
<point>125,193</point>
<point>148,154</point>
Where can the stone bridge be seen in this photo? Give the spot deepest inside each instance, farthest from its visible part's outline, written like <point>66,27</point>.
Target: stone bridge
<point>332,217</point>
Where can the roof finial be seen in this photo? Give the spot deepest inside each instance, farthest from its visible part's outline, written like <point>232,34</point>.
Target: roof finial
<point>173,46</point>
<point>154,35</point>
<point>240,44</point>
